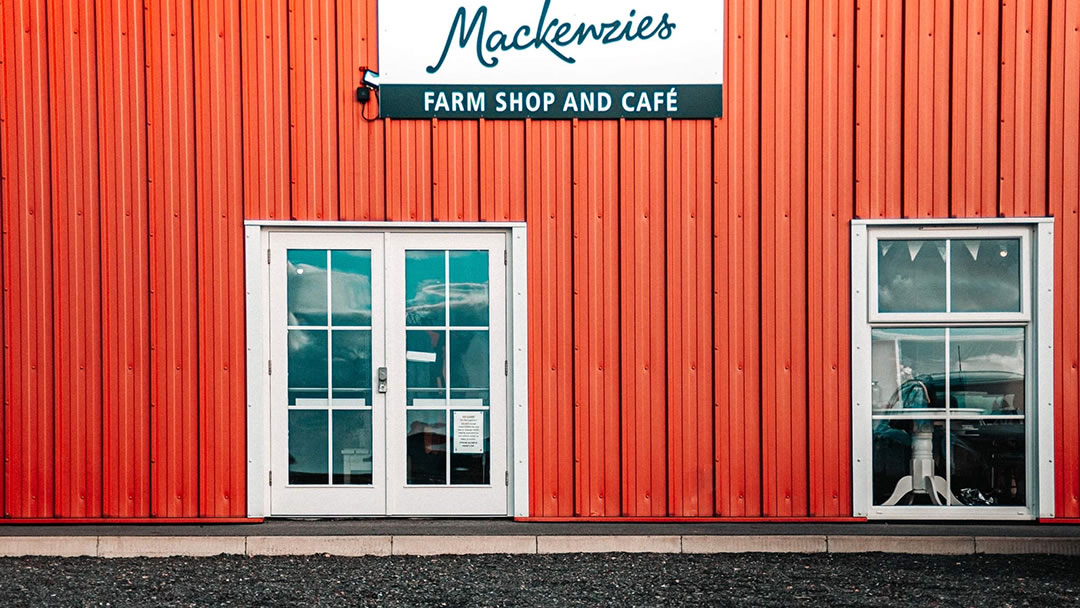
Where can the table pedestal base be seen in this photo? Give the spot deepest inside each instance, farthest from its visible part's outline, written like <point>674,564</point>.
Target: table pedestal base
<point>922,479</point>
<point>936,487</point>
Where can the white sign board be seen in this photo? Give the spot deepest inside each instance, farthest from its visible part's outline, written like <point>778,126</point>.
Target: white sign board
<point>468,433</point>
<point>551,58</point>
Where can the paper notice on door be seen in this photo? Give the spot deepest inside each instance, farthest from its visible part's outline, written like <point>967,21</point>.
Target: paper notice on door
<point>468,433</point>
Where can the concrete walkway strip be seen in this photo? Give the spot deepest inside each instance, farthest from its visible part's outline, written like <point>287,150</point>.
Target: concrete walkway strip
<point>462,545</point>
<point>169,546</point>
<point>457,544</point>
<point>1016,546</point>
<point>754,544</point>
<point>929,545</point>
<point>54,546</point>
<point>346,546</point>
<point>606,544</point>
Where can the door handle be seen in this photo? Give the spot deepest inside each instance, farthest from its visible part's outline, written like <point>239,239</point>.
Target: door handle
<point>382,380</point>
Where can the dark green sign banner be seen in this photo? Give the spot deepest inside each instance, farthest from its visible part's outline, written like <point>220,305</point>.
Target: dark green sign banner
<point>550,102</point>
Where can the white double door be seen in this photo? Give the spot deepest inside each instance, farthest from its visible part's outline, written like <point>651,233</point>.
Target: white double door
<point>388,373</point>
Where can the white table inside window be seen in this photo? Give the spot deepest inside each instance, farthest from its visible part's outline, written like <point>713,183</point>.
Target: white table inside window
<point>922,479</point>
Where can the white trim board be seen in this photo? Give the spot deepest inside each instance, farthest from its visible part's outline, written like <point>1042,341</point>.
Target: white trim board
<point>257,280</point>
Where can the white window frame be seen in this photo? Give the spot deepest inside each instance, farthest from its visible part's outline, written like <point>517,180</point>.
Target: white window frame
<point>938,233</point>
<point>1037,314</point>
<point>257,290</point>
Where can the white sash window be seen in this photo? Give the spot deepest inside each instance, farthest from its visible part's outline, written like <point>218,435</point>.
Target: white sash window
<point>952,361</point>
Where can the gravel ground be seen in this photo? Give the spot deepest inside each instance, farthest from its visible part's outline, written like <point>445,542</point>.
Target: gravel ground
<point>546,580</point>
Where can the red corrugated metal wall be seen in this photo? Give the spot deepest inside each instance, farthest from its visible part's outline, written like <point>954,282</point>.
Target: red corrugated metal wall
<point>689,283</point>
<point>123,375</point>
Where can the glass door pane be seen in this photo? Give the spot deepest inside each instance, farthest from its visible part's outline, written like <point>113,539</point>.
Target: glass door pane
<point>329,366</point>
<point>327,338</point>
<point>447,366</point>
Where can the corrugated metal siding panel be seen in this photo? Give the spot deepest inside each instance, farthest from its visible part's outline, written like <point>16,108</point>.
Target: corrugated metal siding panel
<point>28,291</point>
<point>1065,207</point>
<point>975,117</point>
<point>125,258</point>
<point>831,202</point>
<point>551,338</point>
<point>220,213</point>
<point>174,381</point>
<point>689,320</point>
<point>597,457</point>
<point>926,111</point>
<point>313,110</point>
<point>502,171</point>
<point>644,309</point>
<point>265,57</point>
<point>1024,104</point>
<point>737,259</point>
<point>408,174</point>
<point>456,160</point>
<point>361,144</point>
<point>76,272</point>
<point>234,112</point>
<point>783,259</point>
<point>879,107</point>
<point>4,196</point>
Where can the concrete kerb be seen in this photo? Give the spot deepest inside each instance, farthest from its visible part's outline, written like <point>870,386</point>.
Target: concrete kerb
<point>385,545</point>
<point>762,543</point>
<point>462,545</point>
<point>927,545</point>
<point>609,544</point>
<point>346,546</point>
<point>1016,546</point>
<point>52,546</point>
<point>169,546</point>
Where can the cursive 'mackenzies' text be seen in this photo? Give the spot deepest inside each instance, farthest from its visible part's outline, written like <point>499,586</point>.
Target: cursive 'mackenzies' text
<point>550,34</point>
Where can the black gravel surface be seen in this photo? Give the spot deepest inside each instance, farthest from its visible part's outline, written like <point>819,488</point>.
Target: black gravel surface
<point>611,579</point>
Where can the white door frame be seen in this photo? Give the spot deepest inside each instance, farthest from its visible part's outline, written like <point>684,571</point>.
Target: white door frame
<point>257,282</point>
